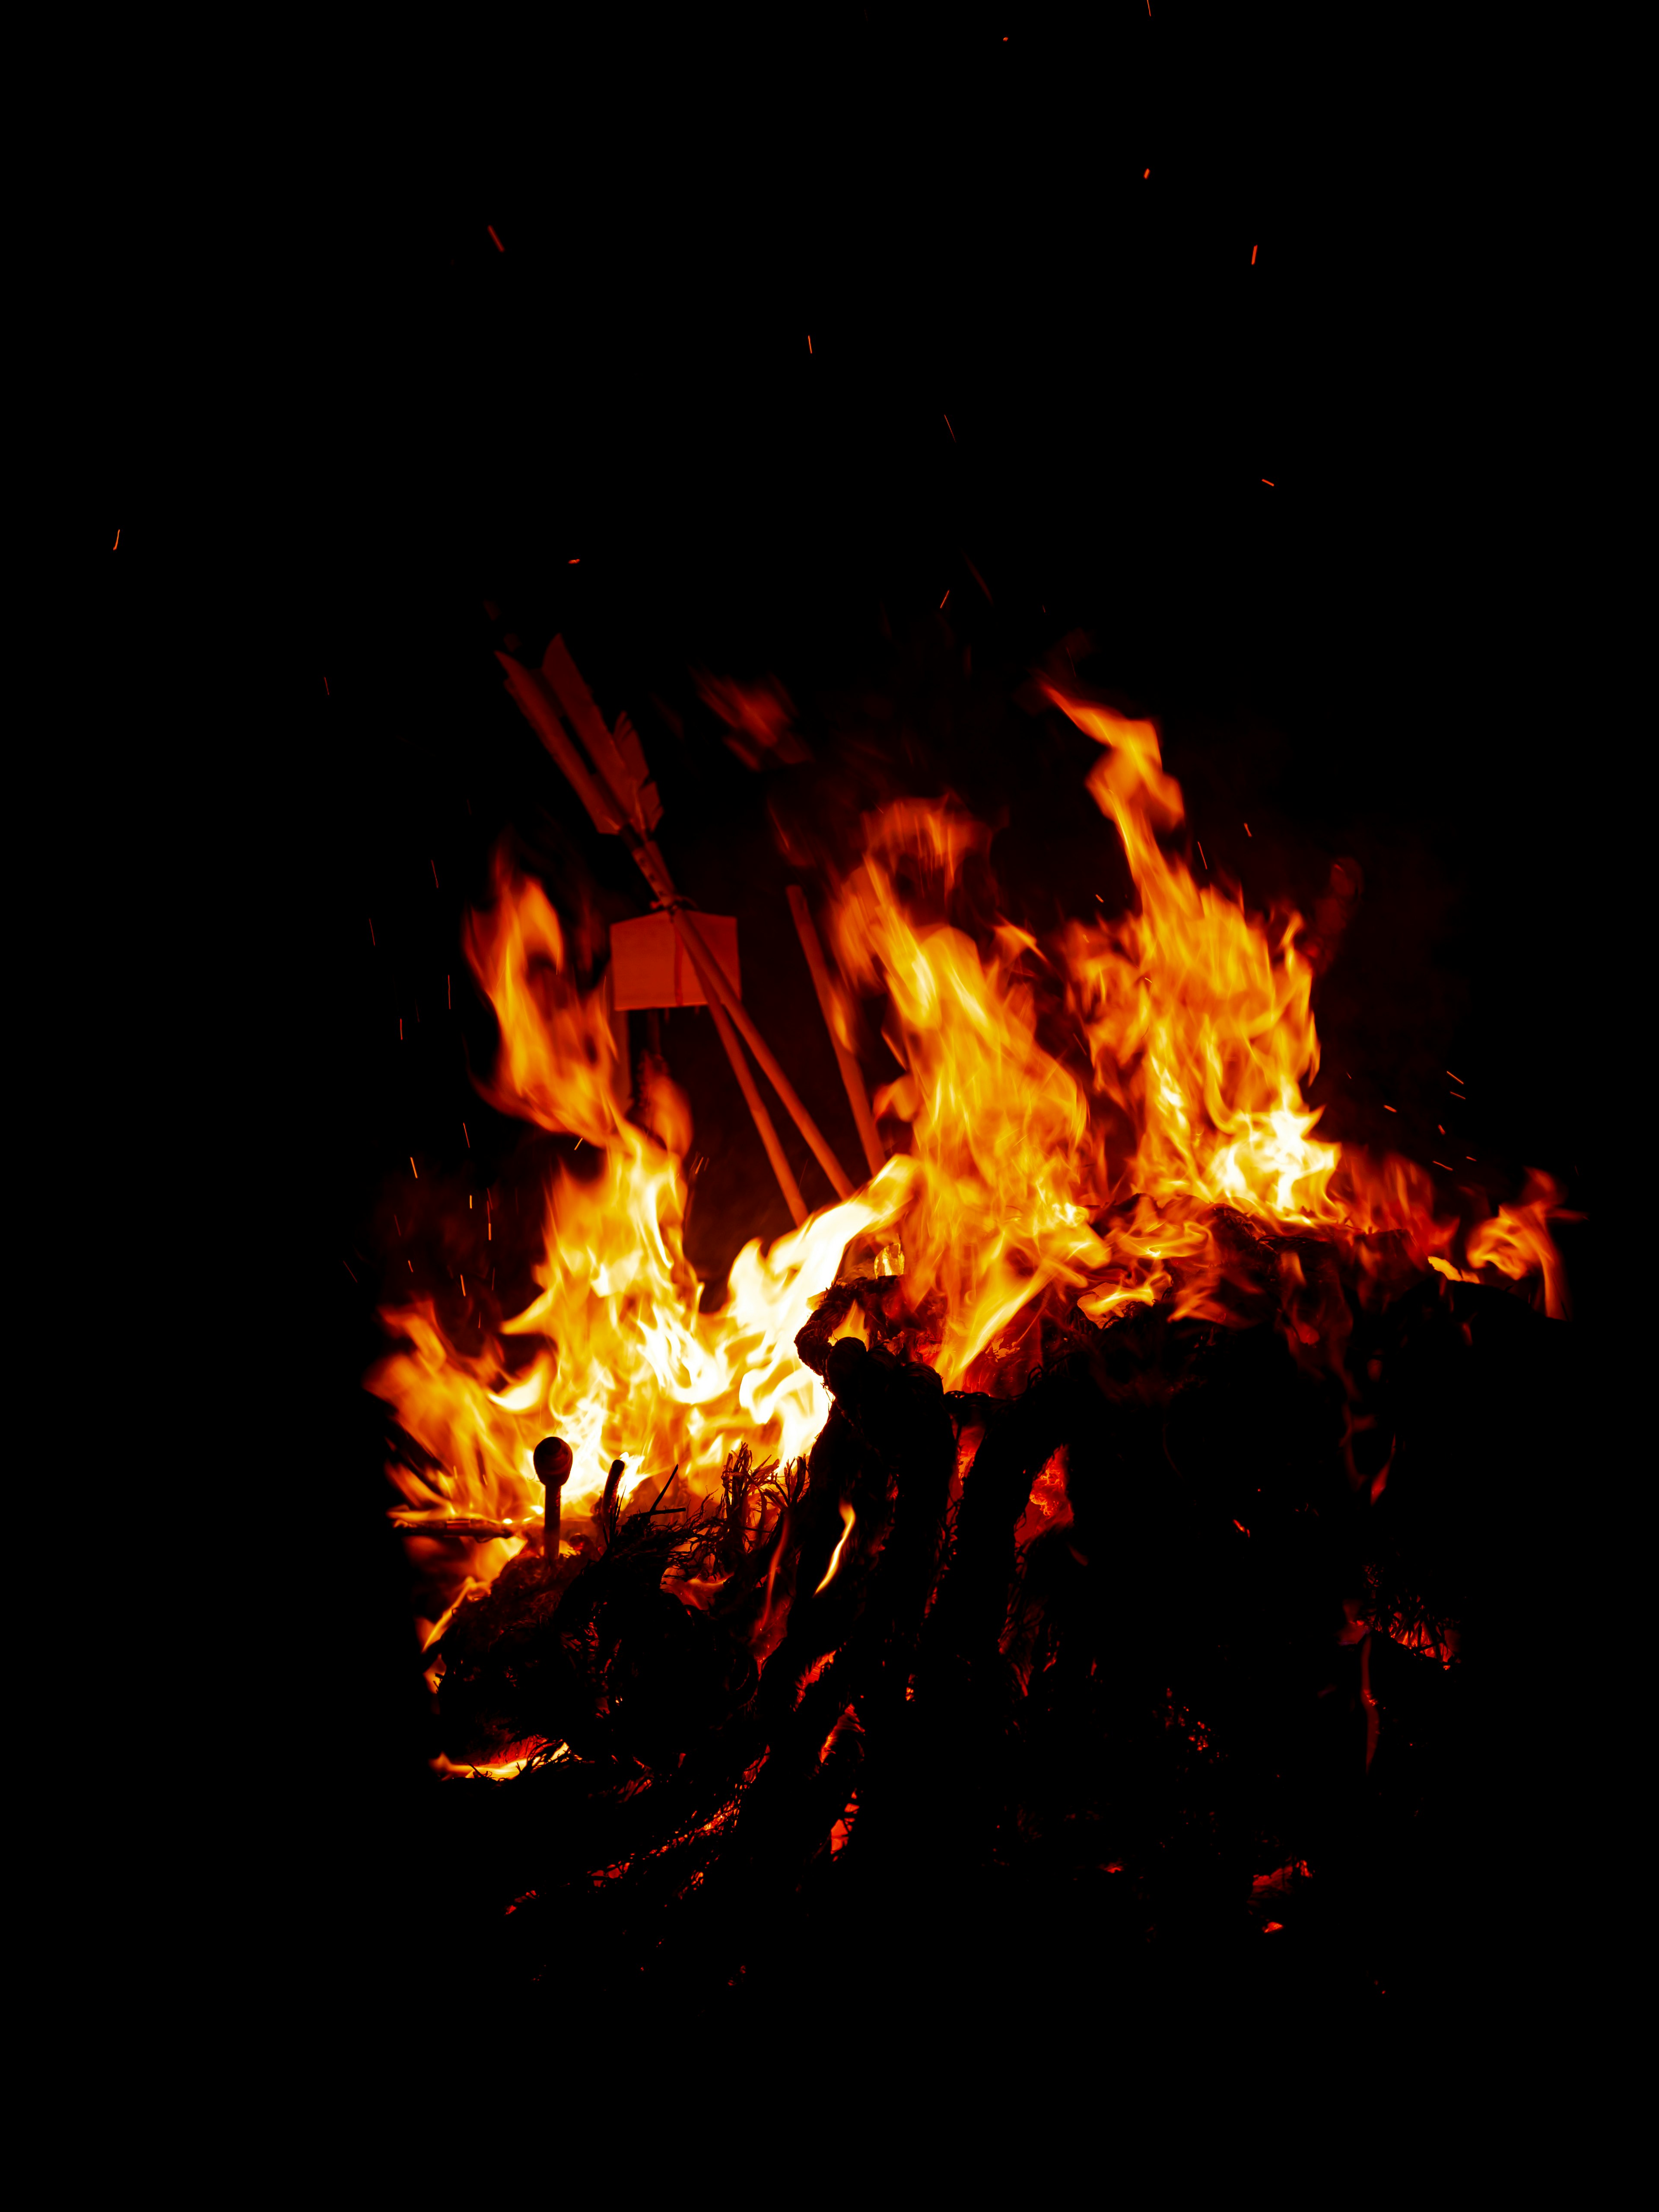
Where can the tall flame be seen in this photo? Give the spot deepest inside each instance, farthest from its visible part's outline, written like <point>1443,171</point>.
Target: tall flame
<point>1082,1115</point>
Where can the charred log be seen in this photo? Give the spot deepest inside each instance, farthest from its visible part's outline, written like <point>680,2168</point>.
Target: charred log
<point>1220,1689</point>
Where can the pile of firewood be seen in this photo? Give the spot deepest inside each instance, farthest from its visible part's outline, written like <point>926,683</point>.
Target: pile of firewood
<point>887,1719</point>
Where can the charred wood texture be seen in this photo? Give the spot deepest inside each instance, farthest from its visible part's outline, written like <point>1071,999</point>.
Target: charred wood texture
<point>1186,1657</point>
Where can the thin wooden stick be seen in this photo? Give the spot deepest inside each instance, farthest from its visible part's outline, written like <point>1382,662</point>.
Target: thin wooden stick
<point>756,1103</point>
<point>560,674</point>
<point>851,1074</point>
<point>710,971</point>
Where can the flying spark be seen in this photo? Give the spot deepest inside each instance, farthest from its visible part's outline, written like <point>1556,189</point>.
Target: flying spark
<point>490,227</point>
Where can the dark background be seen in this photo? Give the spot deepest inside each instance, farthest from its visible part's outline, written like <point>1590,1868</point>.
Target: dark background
<point>1384,651</point>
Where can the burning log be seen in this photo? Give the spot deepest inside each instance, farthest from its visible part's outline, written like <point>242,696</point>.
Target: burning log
<point>1202,1655</point>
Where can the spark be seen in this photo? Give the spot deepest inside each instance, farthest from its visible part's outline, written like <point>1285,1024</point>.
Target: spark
<point>469,1140</point>
<point>1254,252</point>
<point>413,1169</point>
<point>947,594</point>
<point>947,425</point>
<point>327,693</point>
<point>575,561</point>
<point>1469,1157</point>
<point>463,1285</point>
<point>1146,172</point>
<point>371,929</point>
<point>490,227</point>
<point>400,1029</point>
<point>809,342</point>
<point>436,885</point>
<point>1246,829</point>
<point>1242,1529</point>
<point>1442,1164</point>
<point>1441,1127</point>
<point>116,544</point>
<point>1200,853</point>
<point>348,1270</point>
<point>1270,483</point>
<point>1390,1109</point>
<point>1455,1078</point>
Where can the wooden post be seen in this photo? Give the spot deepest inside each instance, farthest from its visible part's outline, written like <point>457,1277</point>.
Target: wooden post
<point>697,953</point>
<point>617,802</point>
<point>851,1074</point>
<point>713,978</point>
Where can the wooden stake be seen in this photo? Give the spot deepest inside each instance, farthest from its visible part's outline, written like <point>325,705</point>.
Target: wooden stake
<point>746,1084</point>
<point>616,804</point>
<point>851,1074</point>
<point>710,971</point>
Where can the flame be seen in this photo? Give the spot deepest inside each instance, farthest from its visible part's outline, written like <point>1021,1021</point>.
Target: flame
<point>847,1520</point>
<point>1084,1116</point>
<point>625,1363</point>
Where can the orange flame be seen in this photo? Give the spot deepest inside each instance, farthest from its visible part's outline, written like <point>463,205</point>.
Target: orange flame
<point>1082,1114</point>
<point>627,1365</point>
